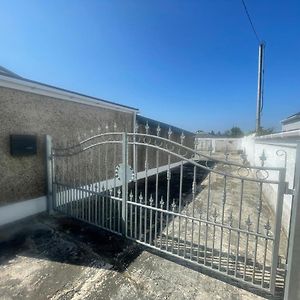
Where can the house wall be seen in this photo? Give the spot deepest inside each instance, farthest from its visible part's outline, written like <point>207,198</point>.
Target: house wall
<point>22,112</point>
<point>291,126</point>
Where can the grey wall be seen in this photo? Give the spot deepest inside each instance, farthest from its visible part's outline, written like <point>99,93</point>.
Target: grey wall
<point>26,113</point>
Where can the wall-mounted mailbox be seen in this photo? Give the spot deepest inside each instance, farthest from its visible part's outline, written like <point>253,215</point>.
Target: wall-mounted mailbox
<point>22,144</point>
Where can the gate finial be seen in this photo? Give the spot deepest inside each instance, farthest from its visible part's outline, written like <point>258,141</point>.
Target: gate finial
<point>169,133</point>
<point>182,137</point>
<point>147,128</point>
<point>158,129</point>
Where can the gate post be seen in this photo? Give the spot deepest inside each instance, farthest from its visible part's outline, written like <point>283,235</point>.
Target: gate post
<point>292,291</point>
<point>49,174</point>
<point>125,183</point>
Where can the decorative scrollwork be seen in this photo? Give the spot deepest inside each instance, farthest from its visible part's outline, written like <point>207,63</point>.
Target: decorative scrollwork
<point>263,158</point>
<point>262,174</point>
<point>240,171</point>
<point>283,153</point>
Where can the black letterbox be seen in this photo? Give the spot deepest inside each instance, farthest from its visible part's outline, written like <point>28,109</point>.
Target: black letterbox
<point>22,144</point>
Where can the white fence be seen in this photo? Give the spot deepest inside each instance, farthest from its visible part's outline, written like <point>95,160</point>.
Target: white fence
<point>219,144</point>
<point>276,152</point>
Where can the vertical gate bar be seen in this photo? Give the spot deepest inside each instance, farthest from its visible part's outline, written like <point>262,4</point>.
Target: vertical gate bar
<point>140,218</point>
<point>99,185</point>
<point>85,193</point>
<point>102,205</point>
<point>246,250</point>
<point>193,209</point>
<point>222,220</point>
<point>168,201</point>
<point>161,220</point>
<point>150,221</point>
<point>49,160</point>
<point>179,205</point>
<point>114,189</point>
<point>78,188</point>
<point>185,236</point>
<point>213,245</point>
<point>124,183</point>
<point>277,229</point>
<point>106,201</point>
<point>146,194</point>
<point>228,249</point>
<point>172,245</point>
<point>239,227</point>
<point>264,262</point>
<point>199,238</point>
<point>72,184</point>
<point>257,230</point>
<point>207,217</point>
<point>135,186</point>
<point>156,197</point>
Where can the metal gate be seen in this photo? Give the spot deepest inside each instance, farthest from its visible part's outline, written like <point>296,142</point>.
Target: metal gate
<point>167,196</point>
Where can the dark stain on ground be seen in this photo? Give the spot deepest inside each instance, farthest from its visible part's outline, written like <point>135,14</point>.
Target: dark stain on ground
<point>65,240</point>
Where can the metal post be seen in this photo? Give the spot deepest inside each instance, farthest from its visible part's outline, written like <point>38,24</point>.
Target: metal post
<point>292,290</point>
<point>124,183</point>
<point>277,229</point>
<point>259,86</point>
<point>49,174</point>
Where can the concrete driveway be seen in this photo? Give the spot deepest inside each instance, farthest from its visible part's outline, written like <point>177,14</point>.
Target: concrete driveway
<point>59,258</point>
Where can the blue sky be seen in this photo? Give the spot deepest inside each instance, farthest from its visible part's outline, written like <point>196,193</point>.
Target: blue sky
<point>189,63</point>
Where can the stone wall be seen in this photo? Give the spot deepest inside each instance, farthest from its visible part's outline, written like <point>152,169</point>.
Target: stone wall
<point>24,177</point>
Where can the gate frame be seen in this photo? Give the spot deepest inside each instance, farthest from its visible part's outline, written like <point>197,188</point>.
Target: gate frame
<point>291,291</point>
<point>294,246</point>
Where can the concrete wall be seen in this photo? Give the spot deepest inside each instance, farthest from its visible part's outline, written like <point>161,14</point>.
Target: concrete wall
<point>27,113</point>
<point>274,152</point>
<point>219,144</point>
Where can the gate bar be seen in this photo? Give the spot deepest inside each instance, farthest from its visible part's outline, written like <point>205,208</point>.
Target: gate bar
<point>49,168</point>
<point>125,183</point>
<point>293,271</point>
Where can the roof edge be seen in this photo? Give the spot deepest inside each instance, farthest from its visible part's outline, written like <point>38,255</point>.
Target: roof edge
<point>39,88</point>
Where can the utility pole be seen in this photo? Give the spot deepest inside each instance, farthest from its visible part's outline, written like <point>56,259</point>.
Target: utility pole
<point>259,99</point>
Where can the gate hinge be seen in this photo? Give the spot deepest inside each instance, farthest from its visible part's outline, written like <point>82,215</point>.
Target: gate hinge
<point>282,263</point>
<point>289,191</point>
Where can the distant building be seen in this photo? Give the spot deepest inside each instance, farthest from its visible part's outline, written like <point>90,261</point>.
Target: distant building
<point>291,123</point>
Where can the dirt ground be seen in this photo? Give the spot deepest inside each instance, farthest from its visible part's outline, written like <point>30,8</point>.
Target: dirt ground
<point>59,258</point>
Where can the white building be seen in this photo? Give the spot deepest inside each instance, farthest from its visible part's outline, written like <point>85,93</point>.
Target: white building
<point>291,123</point>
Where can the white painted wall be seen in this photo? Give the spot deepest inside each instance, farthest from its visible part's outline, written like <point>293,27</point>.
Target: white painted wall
<point>274,153</point>
<point>219,144</point>
<point>291,126</point>
<point>20,210</point>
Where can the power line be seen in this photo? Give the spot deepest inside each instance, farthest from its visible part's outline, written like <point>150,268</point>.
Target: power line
<point>250,21</point>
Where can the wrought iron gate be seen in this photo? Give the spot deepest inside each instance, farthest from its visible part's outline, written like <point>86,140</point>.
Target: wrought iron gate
<point>169,197</point>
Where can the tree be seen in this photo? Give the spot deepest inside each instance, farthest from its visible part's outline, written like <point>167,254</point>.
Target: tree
<point>265,131</point>
<point>234,132</point>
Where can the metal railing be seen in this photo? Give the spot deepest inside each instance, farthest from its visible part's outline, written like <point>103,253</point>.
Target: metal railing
<point>212,214</point>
